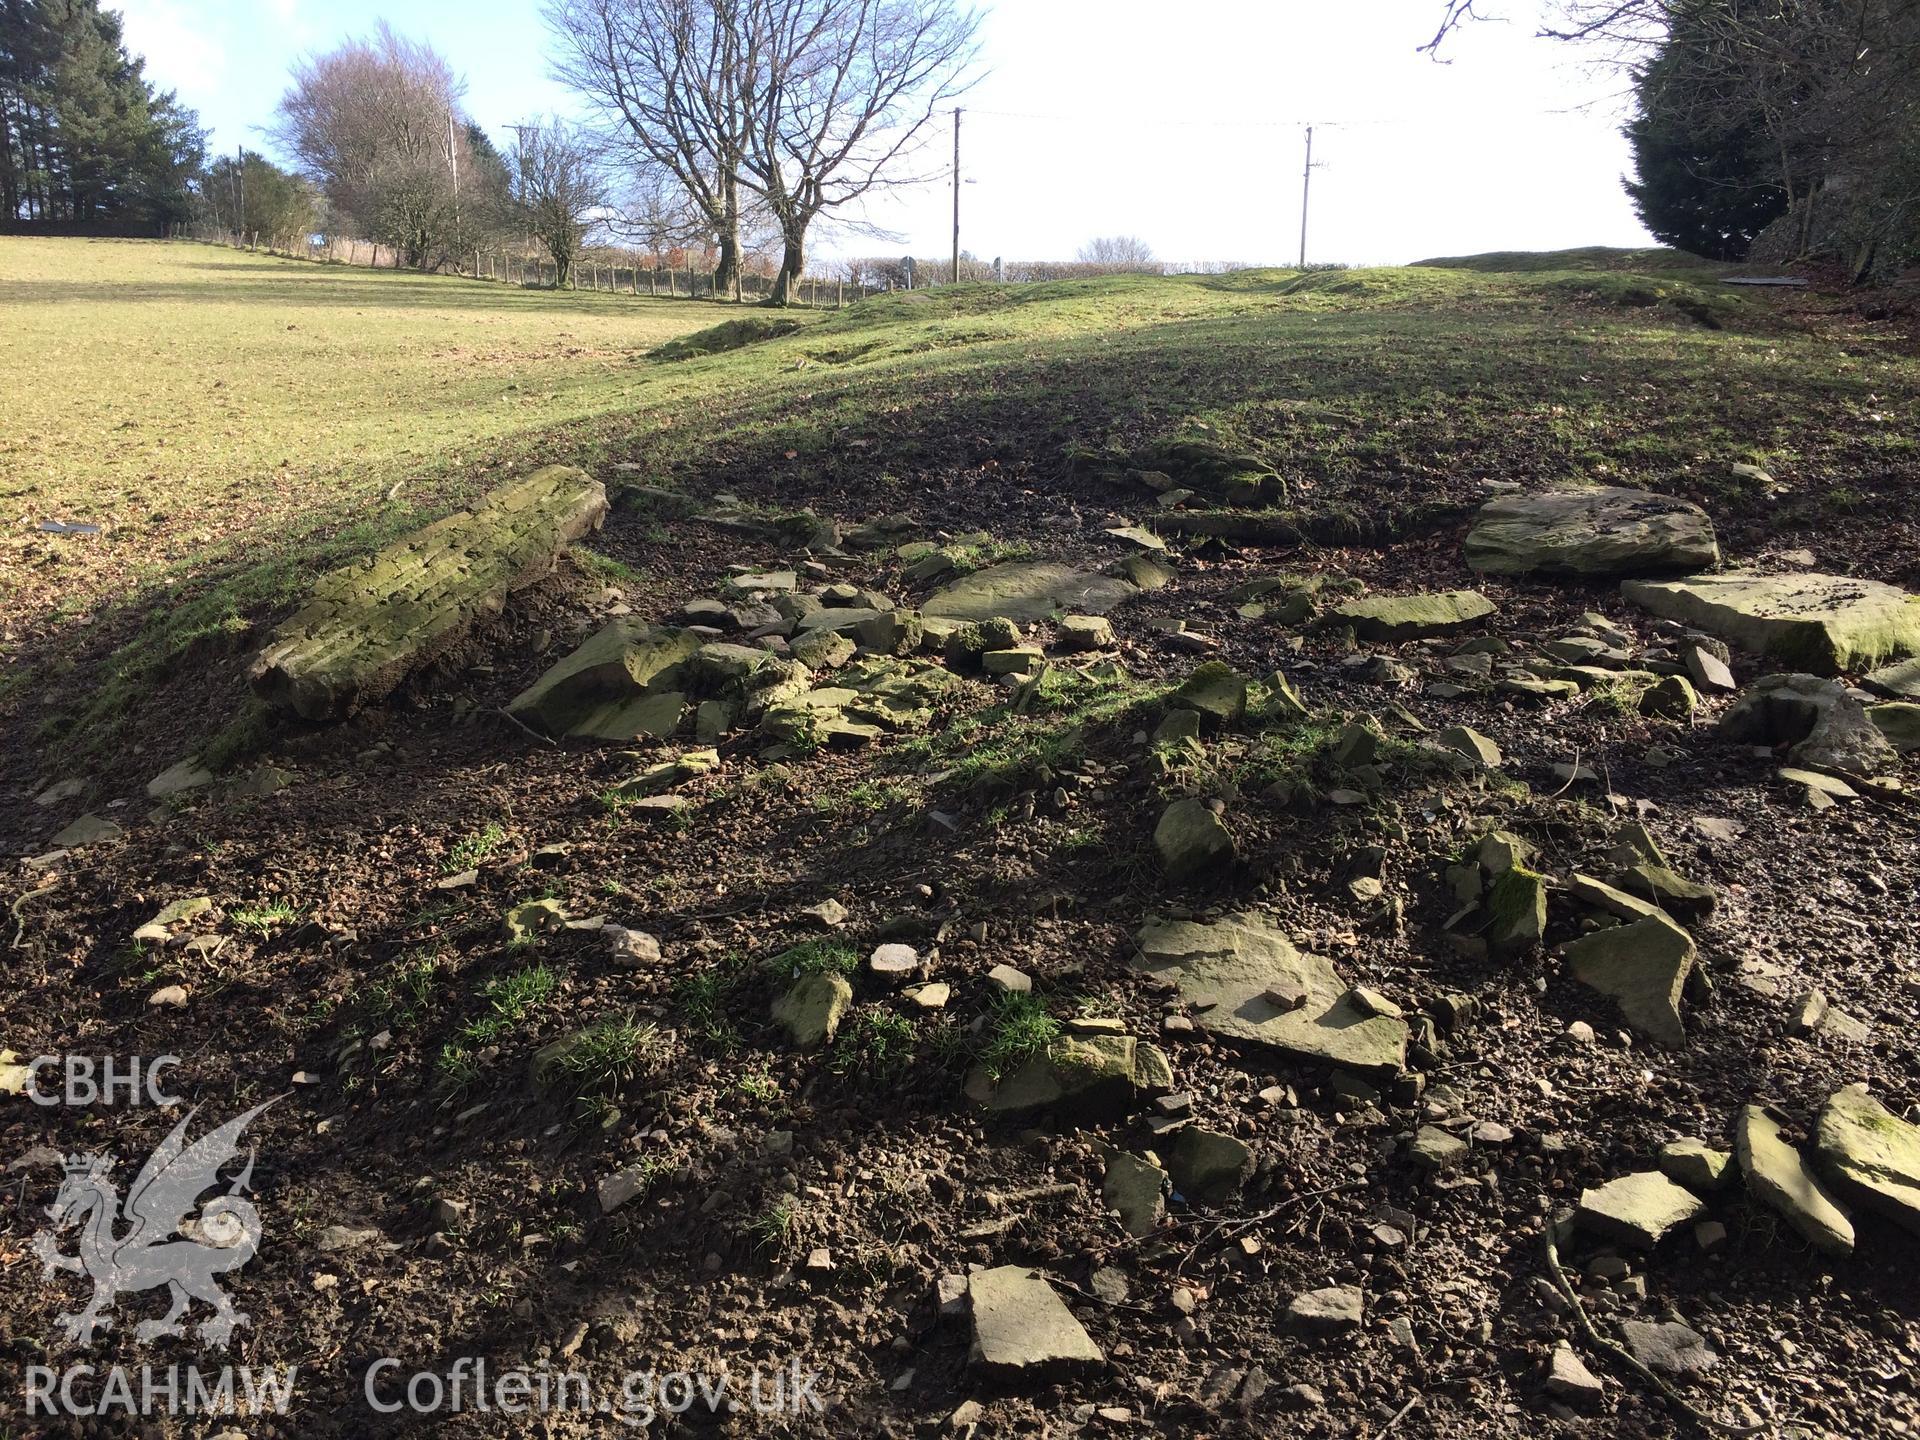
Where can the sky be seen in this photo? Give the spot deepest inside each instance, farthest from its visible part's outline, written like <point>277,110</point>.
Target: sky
<point>1182,124</point>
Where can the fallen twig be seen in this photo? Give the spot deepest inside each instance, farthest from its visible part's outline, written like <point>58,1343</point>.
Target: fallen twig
<point>1228,1229</point>
<point>1625,1358</point>
<point>1398,1416</point>
<point>521,726</point>
<point>19,920</point>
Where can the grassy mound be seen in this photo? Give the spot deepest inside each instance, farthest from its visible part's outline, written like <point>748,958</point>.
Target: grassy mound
<point>728,335</point>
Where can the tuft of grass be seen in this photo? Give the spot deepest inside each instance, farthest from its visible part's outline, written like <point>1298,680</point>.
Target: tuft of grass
<point>263,920</point>
<point>403,996</point>
<point>815,957</point>
<point>456,1071</point>
<point>875,1044</point>
<point>758,1086</point>
<point>1287,755</point>
<point>704,998</point>
<point>510,999</point>
<point>468,853</point>
<point>1018,1028</point>
<point>606,1056</point>
<point>605,567</point>
<point>773,1230</point>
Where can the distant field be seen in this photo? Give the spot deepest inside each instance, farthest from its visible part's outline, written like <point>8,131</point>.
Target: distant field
<point>183,394</point>
<point>240,422</point>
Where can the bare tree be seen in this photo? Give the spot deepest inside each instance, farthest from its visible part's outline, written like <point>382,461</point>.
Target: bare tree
<point>1118,251</point>
<point>652,210</point>
<point>839,94</point>
<point>668,77</point>
<point>557,188</point>
<point>376,126</point>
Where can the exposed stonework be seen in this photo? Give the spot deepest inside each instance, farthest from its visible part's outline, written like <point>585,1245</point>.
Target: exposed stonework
<point>371,624</point>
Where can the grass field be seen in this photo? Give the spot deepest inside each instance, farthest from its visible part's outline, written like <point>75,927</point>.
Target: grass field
<point>183,394</point>
<point>236,422</point>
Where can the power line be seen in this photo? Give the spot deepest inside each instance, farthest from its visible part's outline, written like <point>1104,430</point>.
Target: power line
<point>1136,118</point>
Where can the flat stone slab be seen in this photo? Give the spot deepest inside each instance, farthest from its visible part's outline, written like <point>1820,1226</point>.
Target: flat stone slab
<point>1408,617</point>
<point>1330,1311</point>
<point>1818,623</point>
<point>1027,590</point>
<point>1778,1174</point>
<point>1871,1155</point>
<point>1644,967</point>
<point>1602,531</point>
<point>369,625</point>
<point>1136,1188</point>
<point>588,692</point>
<point>1669,1348</point>
<point>1902,681</point>
<point>1226,971</point>
<point>1639,1209</point>
<point>89,829</point>
<point>1022,1328</point>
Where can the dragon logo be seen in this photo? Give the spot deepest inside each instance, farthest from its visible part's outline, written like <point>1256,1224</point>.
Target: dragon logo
<point>223,1237</point>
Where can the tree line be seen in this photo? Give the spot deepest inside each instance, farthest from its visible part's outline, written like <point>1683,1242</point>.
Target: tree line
<point>1767,129</point>
<point>85,138</point>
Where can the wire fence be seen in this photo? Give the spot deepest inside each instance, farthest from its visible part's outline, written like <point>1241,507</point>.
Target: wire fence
<point>614,275</point>
<point>631,273</point>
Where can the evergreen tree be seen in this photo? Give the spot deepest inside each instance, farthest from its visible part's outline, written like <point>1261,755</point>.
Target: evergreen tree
<point>83,135</point>
<point>1706,181</point>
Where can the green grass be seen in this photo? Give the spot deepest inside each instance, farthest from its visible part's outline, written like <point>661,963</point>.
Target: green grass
<point>263,920</point>
<point>606,1056</point>
<point>1369,392</point>
<point>999,747</point>
<point>1018,1028</point>
<point>774,1229</point>
<point>876,1045</point>
<point>1589,257</point>
<point>815,957</point>
<point>704,998</point>
<point>471,851</point>
<point>510,998</point>
<point>403,996</point>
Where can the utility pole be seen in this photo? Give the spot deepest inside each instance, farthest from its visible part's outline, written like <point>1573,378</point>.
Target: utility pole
<point>956,194</point>
<point>1306,186</point>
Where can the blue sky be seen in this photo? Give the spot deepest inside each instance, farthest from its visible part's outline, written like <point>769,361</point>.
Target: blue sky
<point>1177,123</point>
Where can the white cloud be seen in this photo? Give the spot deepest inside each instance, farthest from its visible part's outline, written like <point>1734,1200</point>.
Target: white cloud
<point>182,50</point>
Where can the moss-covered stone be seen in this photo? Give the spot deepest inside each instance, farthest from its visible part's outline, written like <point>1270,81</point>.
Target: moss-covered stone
<point>1818,623</point>
<point>1215,690</point>
<point>1872,1155</point>
<point>1027,590</point>
<point>592,691</point>
<point>811,1010</point>
<point>1644,967</point>
<point>1596,530</point>
<point>1192,839</point>
<point>1408,617</point>
<point>1516,909</point>
<point>369,625</point>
